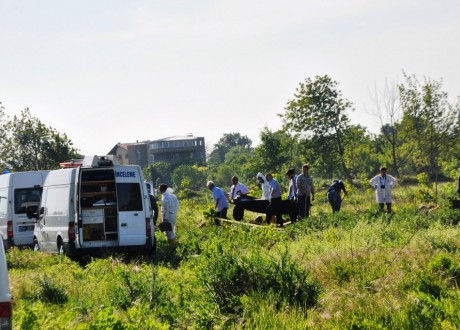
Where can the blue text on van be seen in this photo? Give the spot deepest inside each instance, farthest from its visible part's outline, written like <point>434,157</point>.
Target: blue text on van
<point>125,174</point>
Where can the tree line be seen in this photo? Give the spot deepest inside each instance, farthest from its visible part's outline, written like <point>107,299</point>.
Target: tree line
<point>419,134</point>
<point>27,144</point>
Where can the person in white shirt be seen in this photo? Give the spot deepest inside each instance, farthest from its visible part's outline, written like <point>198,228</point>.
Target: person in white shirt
<point>274,207</point>
<point>169,208</point>
<point>383,183</point>
<point>236,190</point>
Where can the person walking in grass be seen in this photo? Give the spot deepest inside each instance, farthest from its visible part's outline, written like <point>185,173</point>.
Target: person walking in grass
<point>305,191</point>
<point>292,192</point>
<point>154,207</point>
<point>169,208</point>
<point>383,184</point>
<point>274,207</point>
<point>220,200</point>
<point>334,195</point>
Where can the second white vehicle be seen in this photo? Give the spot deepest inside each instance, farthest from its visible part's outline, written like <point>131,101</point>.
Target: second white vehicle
<point>18,192</point>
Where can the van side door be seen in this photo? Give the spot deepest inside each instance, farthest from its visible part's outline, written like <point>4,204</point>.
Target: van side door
<point>130,201</point>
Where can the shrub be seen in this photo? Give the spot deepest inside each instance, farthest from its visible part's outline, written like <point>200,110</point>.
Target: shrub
<point>49,291</point>
<point>228,276</point>
<point>423,179</point>
<point>424,195</point>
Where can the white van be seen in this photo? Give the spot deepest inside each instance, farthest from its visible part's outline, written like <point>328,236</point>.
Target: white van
<point>18,192</point>
<point>5,296</point>
<point>98,204</point>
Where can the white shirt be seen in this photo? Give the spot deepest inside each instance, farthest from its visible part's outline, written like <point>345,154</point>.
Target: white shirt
<point>383,195</point>
<point>238,189</point>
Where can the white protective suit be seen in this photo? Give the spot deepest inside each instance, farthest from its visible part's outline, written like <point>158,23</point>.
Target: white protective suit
<point>169,208</point>
<point>265,186</point>
<point>383,195</point>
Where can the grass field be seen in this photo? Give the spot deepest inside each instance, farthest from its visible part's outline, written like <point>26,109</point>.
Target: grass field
<point>358,269</point>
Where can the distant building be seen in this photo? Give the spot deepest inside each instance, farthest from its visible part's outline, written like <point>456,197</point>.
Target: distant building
<point>178,150</point>
<point>121,151</point>
<point>138,154</point>
<point>175,150</point>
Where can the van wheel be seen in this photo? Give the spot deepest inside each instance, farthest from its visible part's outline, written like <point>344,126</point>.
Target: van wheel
<point>36,245</point>
<point>60,245</point>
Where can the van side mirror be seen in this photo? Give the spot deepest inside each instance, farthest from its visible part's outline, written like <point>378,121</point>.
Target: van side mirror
<point>31,211</point>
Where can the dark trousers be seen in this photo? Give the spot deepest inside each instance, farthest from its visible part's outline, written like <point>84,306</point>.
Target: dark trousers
<point>335,200</point>
<point>274,208</point>
<point>388,207</point>
<point>304,206</point>
<point>222,213</point>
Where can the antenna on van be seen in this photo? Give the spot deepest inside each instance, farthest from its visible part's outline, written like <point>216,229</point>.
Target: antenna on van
<point>100,161</point>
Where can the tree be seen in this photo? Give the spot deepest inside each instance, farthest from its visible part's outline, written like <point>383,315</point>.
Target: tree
<point>27,144</point>
<point>225,143</point>
<point>274,152</point>
<point>159,172</point>
<point>318,111</point>
<point>189,177</point>
<point>432,121</point>
<point>389,112</point>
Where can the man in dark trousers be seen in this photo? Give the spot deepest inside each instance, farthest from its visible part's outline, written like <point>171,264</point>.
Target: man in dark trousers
<point>274,208</point>
<point>334,194</point>
<point>154,207</point>
<point>305,191</point>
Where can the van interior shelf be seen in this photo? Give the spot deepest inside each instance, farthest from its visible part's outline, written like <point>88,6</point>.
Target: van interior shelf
<point>98,193</point>
<point>85,183</point>
<point>100,224</point>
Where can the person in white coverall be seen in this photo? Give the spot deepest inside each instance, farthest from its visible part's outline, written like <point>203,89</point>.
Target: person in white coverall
<point>383,183</point>
<point>169,208</point>
<point>265,186</point>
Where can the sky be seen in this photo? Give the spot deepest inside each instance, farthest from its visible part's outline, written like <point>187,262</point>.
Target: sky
<point>110,71</point>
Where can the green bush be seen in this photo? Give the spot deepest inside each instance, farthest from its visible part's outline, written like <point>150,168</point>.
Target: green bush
<point>228,276</point>
<point>50,291</point>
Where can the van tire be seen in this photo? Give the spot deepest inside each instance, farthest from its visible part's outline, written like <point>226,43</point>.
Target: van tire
<point>36,245</point>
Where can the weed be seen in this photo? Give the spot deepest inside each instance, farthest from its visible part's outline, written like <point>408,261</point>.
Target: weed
<point>228,277</point>
<point>50,291</point>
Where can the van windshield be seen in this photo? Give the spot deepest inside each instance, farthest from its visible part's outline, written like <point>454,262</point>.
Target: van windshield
<point>26,197</point>
<point>129,197</point>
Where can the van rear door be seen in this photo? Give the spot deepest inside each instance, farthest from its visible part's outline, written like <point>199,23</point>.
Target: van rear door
<point>130,201</point>
<point>26,192</point>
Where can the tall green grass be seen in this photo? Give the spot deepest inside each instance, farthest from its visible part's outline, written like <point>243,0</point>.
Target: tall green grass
<point>357,269</point>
